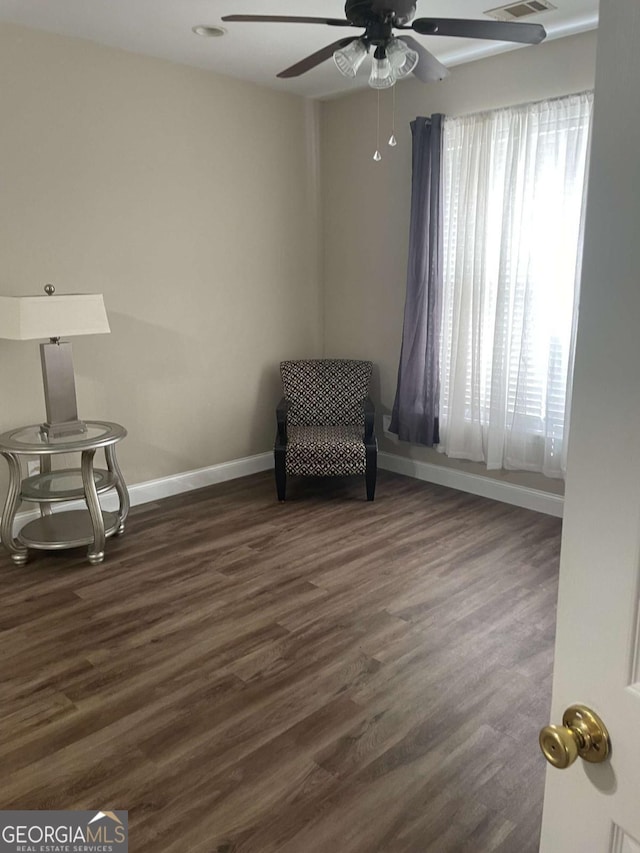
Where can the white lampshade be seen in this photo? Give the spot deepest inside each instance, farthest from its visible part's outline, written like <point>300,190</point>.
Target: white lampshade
<point>350,58</point>
<point>403,60</point>
<point>381,76</point>
<point>24,318</point>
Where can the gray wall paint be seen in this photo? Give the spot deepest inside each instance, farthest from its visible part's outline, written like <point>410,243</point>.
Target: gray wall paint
<point>191,201</point>
<point>228,227</point>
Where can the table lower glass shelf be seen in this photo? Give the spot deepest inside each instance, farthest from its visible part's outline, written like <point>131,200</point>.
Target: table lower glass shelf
<point>63,485</point>
<point>70,529</point>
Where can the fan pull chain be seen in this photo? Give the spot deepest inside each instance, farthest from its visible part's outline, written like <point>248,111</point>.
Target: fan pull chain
<point>378,156</point>
<point>392,139</point>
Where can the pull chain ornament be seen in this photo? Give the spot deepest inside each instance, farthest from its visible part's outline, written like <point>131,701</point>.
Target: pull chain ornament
<point>377,155</point>
<point>392,139</point>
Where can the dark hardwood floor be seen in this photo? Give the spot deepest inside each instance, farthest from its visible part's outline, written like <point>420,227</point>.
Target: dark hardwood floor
<point>322,675</point>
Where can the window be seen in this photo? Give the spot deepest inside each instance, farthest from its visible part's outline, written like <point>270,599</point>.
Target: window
<point>513,190</point>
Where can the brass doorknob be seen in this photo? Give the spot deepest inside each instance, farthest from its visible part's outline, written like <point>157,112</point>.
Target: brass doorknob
<point>582,733</point>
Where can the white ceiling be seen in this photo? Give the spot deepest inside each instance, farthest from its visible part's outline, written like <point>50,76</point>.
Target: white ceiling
<point>257,51</point>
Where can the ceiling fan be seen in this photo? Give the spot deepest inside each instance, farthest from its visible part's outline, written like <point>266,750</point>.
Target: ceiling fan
<point>394,57</point>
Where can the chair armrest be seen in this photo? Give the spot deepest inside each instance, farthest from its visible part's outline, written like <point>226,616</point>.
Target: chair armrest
<point>281,416</point>
<point>369,416</point>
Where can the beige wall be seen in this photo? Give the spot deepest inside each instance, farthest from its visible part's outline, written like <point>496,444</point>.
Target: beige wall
<point>366,204</point>
<point>190,201</point>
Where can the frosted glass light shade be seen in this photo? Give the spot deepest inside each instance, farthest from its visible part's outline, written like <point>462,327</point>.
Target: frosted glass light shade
<point>25,318</point>
<point>403,60</point>
<point>381,76</point>
<point>348,59</point>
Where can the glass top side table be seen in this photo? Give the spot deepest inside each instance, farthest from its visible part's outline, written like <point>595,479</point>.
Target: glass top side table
<point>69,528</point>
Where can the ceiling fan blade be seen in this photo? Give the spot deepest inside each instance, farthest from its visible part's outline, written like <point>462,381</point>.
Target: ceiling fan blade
<point>288,19</point>
<point>316,58</point>
<point>497,30</point>
<point>428,68</point>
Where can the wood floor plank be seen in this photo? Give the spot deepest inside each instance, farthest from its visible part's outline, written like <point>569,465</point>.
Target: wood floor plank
<point>326,674</point>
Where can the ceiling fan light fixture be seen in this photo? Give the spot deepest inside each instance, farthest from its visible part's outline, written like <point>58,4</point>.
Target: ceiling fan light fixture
<point>403,60</point>
<point>348,59</point>
<point>382,76</point>
<point>379,19</point>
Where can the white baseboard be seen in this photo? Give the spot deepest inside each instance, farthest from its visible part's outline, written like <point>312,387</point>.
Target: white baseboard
<point>486,487</point>
<point>177,484</point>
<point>165,487</point>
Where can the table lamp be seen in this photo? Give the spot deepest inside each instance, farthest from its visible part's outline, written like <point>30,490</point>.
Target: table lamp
<point>24,318</point>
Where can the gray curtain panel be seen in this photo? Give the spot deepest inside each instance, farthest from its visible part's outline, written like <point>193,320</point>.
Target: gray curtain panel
<point>415,410</point>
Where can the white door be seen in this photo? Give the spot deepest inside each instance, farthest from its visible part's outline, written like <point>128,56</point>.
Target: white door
<point>594,808</point>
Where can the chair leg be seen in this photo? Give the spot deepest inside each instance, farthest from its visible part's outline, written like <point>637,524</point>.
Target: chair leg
<point>281,474</point>
<point>371,471</point>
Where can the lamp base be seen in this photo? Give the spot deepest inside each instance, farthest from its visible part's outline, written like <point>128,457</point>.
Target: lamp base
<point>59,391</point>
<point>60,430</point>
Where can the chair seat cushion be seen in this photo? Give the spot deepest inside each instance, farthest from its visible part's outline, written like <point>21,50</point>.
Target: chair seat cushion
<point>325,451</point>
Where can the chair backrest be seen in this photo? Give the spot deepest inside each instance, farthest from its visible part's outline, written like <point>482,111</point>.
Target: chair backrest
<point>325,390</point>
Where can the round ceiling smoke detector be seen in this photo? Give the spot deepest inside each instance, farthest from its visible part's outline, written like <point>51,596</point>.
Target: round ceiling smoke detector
<point>209,31</point>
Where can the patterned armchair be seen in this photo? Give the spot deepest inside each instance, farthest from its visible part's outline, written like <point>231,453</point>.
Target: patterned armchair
<point>325,422</point>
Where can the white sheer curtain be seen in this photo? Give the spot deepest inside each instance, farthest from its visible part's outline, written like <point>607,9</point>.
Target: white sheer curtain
<point>514,182</point>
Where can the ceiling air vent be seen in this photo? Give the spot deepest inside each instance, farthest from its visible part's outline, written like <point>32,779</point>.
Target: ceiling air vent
<point>517,11</point>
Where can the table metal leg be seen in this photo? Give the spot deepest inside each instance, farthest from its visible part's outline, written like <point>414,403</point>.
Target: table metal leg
<point>121,487</point>
<point>18,552</point>
<point>45,468</point>
<point>96,550</point>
